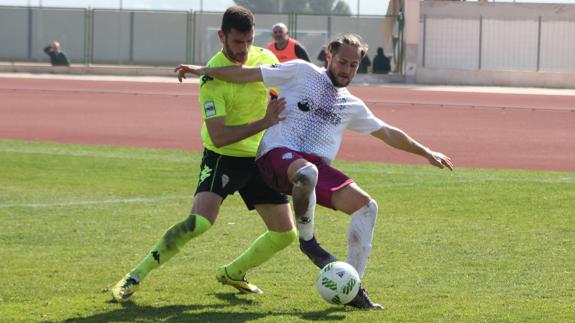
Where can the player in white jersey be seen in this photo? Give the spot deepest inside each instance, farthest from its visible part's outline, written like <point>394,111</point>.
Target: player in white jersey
<point>319,112</point>
<point>295,154</point>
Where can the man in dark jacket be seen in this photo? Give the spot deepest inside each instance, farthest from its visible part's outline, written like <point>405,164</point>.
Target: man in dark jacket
<point>381,63</point>
<point>57,56</point>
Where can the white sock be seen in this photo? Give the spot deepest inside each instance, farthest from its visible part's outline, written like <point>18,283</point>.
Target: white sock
<point>305,224</point>
<point>304,200</point>
<point>360,235</point>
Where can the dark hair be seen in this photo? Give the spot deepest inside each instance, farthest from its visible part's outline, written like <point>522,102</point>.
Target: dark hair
<point>238,18</point>
<point>348,39</point>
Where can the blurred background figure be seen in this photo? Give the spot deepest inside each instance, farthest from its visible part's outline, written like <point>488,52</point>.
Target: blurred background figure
<point>381,63</point>
<point>364,64</point>
<point>57,56</point>
<point>284,47</point>
<point>321,56</point>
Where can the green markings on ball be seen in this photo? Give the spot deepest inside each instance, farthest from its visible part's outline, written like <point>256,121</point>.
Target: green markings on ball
<point>348,286</point>
<point>328,283</point>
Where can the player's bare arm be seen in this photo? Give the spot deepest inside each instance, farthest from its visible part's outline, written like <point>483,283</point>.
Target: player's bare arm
<point>223,135</point>
<point>397,138</point>
<point>234,74</point>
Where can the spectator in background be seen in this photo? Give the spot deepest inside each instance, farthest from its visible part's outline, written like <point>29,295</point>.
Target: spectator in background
<point>381,62</point>
<point>364,64</point>
<point>321,56</point>
<point>57,56</point>
<point>284,47</point>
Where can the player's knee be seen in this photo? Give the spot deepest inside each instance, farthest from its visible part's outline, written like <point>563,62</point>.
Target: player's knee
<point>196,224</point>
<point>359,202</point>
<point>371,211</point>
<point>283,239</point>
<point>372,208</point>
<point>306,177</point>
<point>180,233</point>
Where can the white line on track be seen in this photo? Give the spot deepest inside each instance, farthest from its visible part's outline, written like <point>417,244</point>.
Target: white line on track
<point>11,88</point>
<point>373,102</point>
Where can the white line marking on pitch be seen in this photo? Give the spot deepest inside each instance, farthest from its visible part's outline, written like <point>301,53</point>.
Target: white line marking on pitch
<point>96,202</point>
<point>112,155</point>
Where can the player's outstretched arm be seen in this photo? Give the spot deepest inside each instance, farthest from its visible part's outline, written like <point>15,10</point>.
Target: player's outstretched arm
<point>235,74</point>
<point>397,138</point>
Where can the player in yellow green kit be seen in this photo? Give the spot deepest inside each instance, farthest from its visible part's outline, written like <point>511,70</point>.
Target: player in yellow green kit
<point>235,116</point>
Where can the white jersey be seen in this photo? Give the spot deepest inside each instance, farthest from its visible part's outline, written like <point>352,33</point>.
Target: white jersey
<point>316,111</point>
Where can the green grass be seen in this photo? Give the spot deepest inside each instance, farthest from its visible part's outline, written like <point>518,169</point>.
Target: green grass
<point>473,245</point>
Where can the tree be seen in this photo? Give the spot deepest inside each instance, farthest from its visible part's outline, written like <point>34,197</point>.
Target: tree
<point>342,8</point>
<point>318,7</point>
<point>297,6</point>
<point>259,5</point>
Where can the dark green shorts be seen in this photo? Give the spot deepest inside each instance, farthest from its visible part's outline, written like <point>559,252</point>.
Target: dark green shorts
<point>224,175</point>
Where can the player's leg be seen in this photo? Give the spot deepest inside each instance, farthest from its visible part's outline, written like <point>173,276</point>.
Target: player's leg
<point>280,234</point>
<point>303,175</point>
<point>291,172</point>
<point>205,209</point>
<point>330,181</point>
<point>204,213</point>
<point>288,172</point>
<point>352,200</point>
<point>274,210</point>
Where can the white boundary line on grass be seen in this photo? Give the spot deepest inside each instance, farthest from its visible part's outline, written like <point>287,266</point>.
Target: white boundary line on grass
<point>87,153</point>
<point>96,202</point>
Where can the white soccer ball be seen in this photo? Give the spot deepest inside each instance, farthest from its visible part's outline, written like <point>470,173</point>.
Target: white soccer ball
<point>338,282</point>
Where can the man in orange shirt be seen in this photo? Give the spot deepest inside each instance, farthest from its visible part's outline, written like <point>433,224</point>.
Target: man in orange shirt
<point>284,47</point>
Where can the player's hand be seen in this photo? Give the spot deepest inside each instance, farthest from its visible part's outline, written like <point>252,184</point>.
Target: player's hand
<point>275,108</point>
<point>182,69</point>
<point>439,160</point>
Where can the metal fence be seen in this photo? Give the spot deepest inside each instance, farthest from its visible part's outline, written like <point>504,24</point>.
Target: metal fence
<point>518,44</point>
<point>163,38</point>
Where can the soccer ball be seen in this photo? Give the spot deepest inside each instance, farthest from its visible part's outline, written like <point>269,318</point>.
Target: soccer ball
<point>338,282</point>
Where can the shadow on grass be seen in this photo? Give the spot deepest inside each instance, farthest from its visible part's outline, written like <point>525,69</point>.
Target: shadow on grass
<point>131,311</point>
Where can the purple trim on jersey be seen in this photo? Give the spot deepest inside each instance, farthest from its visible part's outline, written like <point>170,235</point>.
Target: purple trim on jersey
<point>274,164</point>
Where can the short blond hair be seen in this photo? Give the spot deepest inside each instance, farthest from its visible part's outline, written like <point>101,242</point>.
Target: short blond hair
<point>350,39</point>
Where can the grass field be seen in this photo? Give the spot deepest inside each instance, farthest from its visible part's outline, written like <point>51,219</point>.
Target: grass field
<point>473,245</point>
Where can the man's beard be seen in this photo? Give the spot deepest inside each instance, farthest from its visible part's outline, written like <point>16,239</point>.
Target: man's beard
<point>232,56</point>
<point>334,80</point>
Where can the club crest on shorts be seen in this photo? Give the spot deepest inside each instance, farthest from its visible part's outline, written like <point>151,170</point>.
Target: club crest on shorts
<point>210,109</point>
<point>225,180</point>
<point>287,156</point>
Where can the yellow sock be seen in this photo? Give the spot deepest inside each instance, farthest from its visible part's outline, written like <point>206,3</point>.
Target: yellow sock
<point>170,243</point>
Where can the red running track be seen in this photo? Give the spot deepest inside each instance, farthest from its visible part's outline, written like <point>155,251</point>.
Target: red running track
<point>487,130</point>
